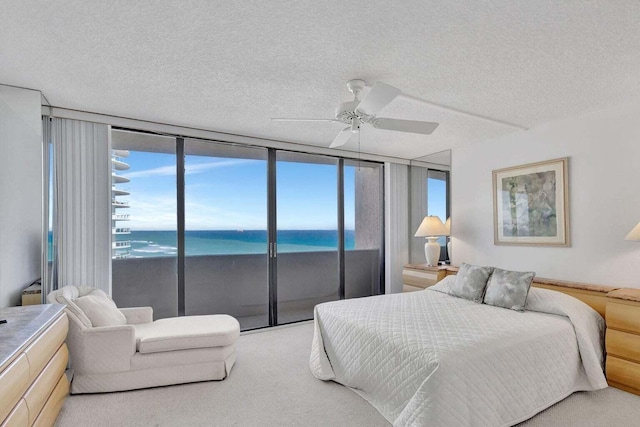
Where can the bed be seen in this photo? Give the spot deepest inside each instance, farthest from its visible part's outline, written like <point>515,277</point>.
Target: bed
<point>429,358</point>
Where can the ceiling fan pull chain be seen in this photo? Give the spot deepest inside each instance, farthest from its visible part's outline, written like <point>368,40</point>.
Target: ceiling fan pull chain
<point>359,153</point>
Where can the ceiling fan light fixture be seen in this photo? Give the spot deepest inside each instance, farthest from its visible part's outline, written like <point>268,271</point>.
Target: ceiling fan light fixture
<point>346,111</point>
<point>355,125</point>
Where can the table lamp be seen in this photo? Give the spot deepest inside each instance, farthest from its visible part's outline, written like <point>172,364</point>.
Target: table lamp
<point>634,234</point>
<point>431,228</point>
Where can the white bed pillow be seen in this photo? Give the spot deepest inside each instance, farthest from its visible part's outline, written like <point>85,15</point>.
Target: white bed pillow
<point>444,285</point>
<point>101,310</point>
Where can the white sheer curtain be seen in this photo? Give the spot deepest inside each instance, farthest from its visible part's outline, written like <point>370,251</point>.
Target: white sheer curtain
<point>47,252</point>
<point>82,203</point>
<point>396,193</point>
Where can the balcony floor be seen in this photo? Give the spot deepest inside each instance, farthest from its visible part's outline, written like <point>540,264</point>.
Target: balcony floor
<point>261,321</point>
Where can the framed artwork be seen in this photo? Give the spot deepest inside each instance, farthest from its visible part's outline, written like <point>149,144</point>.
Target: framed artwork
<point>531,204</point>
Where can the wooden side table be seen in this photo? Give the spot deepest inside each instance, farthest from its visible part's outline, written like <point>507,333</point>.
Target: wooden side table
<point>416,277</point>
<point>623,339</point>
<point>32,295</point>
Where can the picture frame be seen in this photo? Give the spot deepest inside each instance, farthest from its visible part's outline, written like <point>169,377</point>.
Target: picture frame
<point>531,204</point>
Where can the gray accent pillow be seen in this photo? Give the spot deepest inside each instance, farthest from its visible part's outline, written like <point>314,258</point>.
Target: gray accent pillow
<point>508,289</point>
<point>470,282</point>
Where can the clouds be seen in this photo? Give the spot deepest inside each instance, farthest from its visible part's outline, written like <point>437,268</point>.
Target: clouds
<point>152,212</point>
<point>159,213</point>
<point>220,193</point>
<point>148,173</point>
<point>231,193</point>
<point>189,169</point>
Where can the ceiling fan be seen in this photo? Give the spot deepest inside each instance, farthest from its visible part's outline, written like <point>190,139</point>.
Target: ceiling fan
<point>356,112</point>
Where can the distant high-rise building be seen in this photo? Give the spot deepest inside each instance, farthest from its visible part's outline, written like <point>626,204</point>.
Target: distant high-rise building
<point>120,244</point>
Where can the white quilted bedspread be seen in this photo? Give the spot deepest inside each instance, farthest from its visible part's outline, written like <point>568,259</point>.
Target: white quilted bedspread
<point>430,359</point>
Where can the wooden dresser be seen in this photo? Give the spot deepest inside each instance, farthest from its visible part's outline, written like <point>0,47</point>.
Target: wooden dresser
<point>623,339</point>
<point>416,277</point>
<point>33,360</point>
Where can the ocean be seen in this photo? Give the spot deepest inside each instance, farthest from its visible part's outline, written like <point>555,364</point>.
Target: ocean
<point>218,242</point>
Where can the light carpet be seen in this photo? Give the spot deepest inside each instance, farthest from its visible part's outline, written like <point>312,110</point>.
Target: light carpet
<point>271,385</point>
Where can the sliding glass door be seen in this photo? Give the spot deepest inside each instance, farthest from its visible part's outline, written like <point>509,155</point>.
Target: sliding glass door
<point>225,239</point>
<point>307,234</point>
<point>201,227</point>
<point>144,223</point>
<point>363,225</point>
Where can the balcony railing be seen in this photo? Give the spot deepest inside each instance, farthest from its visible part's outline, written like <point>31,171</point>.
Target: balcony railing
<point>120,217</point>
<point>237,284</point>
<point>120,230</point>
<point>117,165</point>
<point>118,179</point>
<point>122,203</point>
<point>123,244</point>
<point>121,255</point>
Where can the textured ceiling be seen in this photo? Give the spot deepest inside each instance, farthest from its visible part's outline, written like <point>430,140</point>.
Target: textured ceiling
<point>230,66</point>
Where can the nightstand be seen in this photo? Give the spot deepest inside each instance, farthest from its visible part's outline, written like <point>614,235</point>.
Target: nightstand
<point>32,295</point>
<point>416,277</point>
<point>623,339</point>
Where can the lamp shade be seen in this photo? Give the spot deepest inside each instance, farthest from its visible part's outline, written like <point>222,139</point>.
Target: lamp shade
<point>447,225</point>
<point>634,234</point>
<point>431,226</point>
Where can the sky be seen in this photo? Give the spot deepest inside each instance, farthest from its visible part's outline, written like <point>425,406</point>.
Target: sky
<point>231,194</point>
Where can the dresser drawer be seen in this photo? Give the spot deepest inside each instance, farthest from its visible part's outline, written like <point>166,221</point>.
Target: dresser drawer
<point>40,351</point>
<point>19,417</point>
<point>624,317</point>
<point>49,413</point>
<point>623,372</point>
<point>14,380</point>
<point>422,279</point>
<point>623,344</point>
<point>42,387</point>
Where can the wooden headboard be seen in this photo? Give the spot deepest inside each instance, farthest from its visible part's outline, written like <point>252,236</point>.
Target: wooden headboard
<point>594,296</point>
<point>620,308</point>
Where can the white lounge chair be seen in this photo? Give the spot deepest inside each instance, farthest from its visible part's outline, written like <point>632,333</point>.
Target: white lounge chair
<point>115,349</point>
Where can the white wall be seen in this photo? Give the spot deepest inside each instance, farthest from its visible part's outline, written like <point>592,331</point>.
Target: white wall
<point>604,191</point>
<point>20,191</point>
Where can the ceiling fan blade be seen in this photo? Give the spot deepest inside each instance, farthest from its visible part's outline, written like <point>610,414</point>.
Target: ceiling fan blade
<point>342,138</point>
<point>411,126</point>
<point>282,119</point>
<point>378,97</point>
